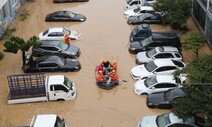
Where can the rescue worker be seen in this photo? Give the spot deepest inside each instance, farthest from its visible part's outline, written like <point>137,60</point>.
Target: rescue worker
<point>66,39</point>
<point>106,66</point>
<point>100,76</point>
<point>113,75</point>
<point>114,65</point>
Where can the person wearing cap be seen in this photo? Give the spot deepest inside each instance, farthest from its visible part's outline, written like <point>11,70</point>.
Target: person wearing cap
<point>113,75</point>
<point>100,75</point>
<point>66,39</point>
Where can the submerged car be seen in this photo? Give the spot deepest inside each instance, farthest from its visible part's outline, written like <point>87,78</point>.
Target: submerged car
<point>65,16</point>
<point>164,99</point>
<point>57,33</point>
<point>63,1</point>
<point>138,11</point>
<point>145,18</point>
<point>56,47</point>
<point>163,120</point>
<point>156,83</point>
<point>161,52</point>
<point>157,66</point>
<point>51,63</point>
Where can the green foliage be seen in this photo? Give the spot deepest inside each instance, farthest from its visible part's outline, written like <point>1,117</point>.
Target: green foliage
<point>23,15</point>
<point>8,33</point>
<point>1,55</point>
<point>193,41</point>
<point>175,11</point>
<point>199,90</point>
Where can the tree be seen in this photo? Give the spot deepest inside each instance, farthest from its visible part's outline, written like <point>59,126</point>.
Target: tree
<point>198,90</point>
<point>193,41</point>
<point>176,12</point>
<point>14,44</point>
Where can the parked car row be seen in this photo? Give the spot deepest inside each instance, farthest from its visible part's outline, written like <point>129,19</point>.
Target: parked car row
<point>158,55</point>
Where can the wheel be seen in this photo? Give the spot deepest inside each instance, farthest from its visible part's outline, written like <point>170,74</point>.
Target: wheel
<point>60,100</point>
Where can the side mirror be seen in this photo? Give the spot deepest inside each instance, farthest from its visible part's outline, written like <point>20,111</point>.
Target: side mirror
<point>153,88</point>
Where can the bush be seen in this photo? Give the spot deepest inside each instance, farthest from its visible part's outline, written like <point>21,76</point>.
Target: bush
<point>23,15</point>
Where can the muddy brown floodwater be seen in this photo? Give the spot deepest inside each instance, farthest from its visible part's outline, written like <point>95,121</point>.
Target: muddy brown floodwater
<point>105,35</point>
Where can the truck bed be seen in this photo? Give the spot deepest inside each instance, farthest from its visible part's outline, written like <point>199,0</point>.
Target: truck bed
<point>26,100</point>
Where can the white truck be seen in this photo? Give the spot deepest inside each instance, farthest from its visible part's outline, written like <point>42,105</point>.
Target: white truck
<point>35,87</point>
<point>47,120</point>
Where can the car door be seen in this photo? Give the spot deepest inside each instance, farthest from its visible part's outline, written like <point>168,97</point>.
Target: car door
<point>52,36</point>
<point>158,88</point>
<point>57,91</point>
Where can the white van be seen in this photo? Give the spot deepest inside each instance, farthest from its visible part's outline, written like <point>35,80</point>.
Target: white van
<point>133,4</point>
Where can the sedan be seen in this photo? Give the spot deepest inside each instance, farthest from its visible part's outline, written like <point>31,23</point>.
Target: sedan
<point>163,120</point>
<point>138,11</point>
<point>57,33</point>
<point>63,1</point>
<point>157,83</point>
<point>55,47</point>
<point>51,63</point>
<point>162,52</point>
<point>165,99</point>
<point>65,16</point>
<point>145,18</point>
<point>157,66</point>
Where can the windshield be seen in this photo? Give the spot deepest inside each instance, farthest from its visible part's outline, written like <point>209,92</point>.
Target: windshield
<point>151,53</point>
<point>135,31</point>
<point>66,31</point>
<point>59,122</point>
<point>45,32</point>
<point>63,46</point>
<point>137,10</point>
<point>150,81</point>
<point>146,41</point>
<point>129,1</point>
<point>56,59</point>
<point>163,120</point>
<point>72,15</point>
<point>150,66</point>
<point>68,83</point>
<point>167,95</point>
<point>141,17</point>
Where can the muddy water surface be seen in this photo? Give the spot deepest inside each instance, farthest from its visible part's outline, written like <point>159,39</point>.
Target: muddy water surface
<point>105,35</point>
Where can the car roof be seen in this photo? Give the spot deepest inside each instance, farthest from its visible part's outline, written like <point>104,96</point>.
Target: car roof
<point>146,8</point>
<point>50,42</point>
<point>55,29</point>
<point>165,78</point>
<point>47,59</point>
<point>166,49</point>
<point>165,36</point>
<point>164,62</point>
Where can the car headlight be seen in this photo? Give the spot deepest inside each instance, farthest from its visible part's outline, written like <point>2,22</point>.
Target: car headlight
<point>150,104</point>
<point>82,19</point>
<point>77,67</point>
<point>132,49</point>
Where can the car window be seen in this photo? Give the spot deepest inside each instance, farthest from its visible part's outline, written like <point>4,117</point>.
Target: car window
<point>52,34</point>
<point>177,55</point>
<point>50,48</point>
<point>167,68</point>
<point>45,32</point>
<point>178,63</point>
<point>159,55</point>
<point>160,85</point>
<point>59,33</point>
<point>168,55</point>
<point>170,85</point>
<point>59,87</point>
<point>134,2</point>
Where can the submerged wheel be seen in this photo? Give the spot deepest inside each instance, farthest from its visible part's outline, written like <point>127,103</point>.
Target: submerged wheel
<point>60,100</point>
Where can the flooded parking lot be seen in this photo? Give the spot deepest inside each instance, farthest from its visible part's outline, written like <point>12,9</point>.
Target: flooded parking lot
<point>105,36</point>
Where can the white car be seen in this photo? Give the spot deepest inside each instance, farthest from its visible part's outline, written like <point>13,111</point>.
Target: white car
<point>157,66</point>
<point>57,33</point>
<point>162,52</point>
<point>156,83</point>
<point>138,11</point>
<point>133,4</point>
<point>163,120</point>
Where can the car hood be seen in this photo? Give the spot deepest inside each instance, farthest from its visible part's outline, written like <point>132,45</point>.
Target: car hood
<point>156,98</point>
<point>141,56</point>
<point>148,121</point>
<point>80,17</point>
<point>72,49</point>
<point>40,36</point>
<point>139,71</point>
<point>75,34</point>
<point>128,13</point>
<point>139,85</point>
<point>133,19</point>
<point>71,63</point>
<point>136,44</point>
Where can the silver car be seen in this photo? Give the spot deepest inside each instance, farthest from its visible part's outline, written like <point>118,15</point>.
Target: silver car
<point>56,47</point>
<point>158,53</point>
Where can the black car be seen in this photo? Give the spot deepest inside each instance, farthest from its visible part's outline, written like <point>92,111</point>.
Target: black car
<point>65,16</point>
<point>145,18</point>
<point>155,40</point>
<point>55,47</point>
<point>165,99</point>
<point>63,1</point>
<point>51,63</point>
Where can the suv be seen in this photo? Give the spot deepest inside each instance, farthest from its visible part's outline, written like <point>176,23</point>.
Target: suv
<point>155,40</point>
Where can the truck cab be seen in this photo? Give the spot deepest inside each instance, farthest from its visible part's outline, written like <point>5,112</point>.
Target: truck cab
<point>140,32</point>
<point>60,88</point>
<point>47,120</point>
